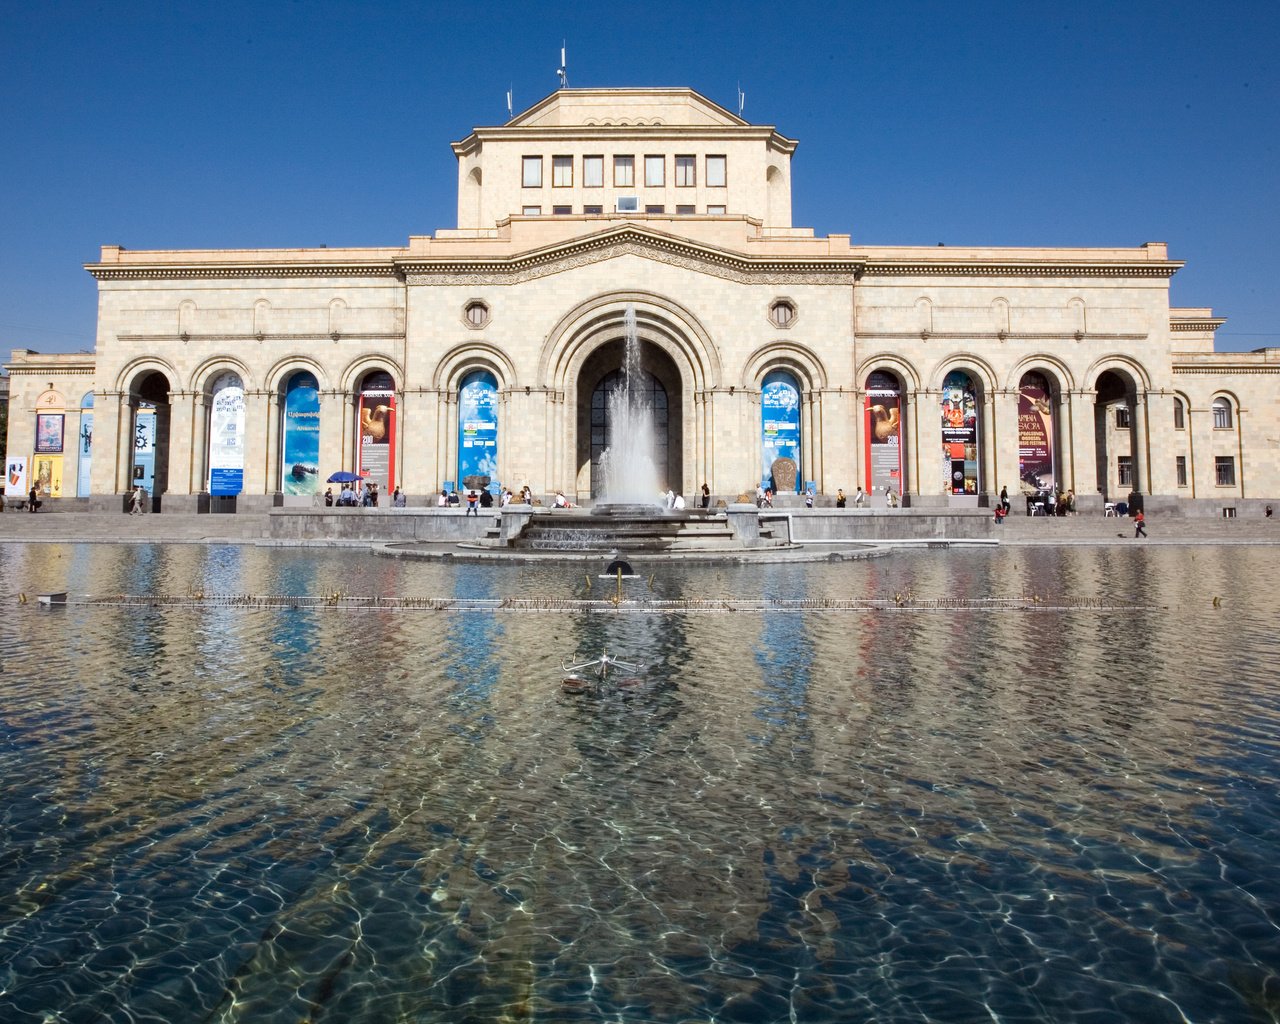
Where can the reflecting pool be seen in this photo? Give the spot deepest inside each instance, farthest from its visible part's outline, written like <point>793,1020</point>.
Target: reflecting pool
<point>242,813</point>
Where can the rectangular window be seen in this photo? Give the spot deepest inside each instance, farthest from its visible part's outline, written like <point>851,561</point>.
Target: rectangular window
<point>686,171</point>
<point>1224,470</point>
<point>1182,470</point>
<point>655,209</point>
<point>715,211</point>
<point>562,172</point>
<point>531,211</point>
<point>593,172</point>
<point>1179,417</point>
<point>715,172</point>
<point>1124,470</point>
<point>1122,417</point>
<point>593,211</point>
<point>532,172</point>
<point>655,171</point>
<point>624,171</point>
<point>685,211</point>
<point>562,211</point>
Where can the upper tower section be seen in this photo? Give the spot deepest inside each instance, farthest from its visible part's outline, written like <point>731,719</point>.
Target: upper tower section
<point>624,152</point>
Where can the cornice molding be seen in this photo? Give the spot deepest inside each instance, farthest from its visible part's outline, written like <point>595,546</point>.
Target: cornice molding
<point>1236,369</point>
<point>265,337</point>
<point>1017,268</point>
<point>1000,336</point>
<point>1209,324</point>
<point>198,271</point>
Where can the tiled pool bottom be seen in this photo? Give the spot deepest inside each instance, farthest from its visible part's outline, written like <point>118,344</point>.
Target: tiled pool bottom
<point>242,814</point>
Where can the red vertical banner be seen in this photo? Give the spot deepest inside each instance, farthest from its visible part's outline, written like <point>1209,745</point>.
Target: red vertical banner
<point>377,436</point>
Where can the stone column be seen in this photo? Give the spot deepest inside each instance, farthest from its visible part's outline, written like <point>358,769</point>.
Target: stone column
<point>257,443</point>
<point>1158,449</point>
<point>112,447</point>
<point>924,441</point>
<point>1084,450</point>
<point>1007,440</point>
<point>332,425</point>
<point>186,458</point>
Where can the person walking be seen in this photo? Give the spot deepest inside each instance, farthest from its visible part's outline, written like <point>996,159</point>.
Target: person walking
<point>135,505</point>
<point>1139,525</point>
<point>860,498</point>
<point>808,498</point>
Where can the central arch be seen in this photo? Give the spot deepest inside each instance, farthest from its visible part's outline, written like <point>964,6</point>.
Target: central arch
<point>661,385</point>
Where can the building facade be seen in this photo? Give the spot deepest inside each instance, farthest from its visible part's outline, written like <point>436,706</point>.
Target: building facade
<point>486,351</point>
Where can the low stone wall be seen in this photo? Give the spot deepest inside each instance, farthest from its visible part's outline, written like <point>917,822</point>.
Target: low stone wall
<point>389,524</point>
<point>838,525</point>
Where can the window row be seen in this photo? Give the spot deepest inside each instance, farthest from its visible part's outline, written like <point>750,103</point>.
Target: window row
<point>1222,418</point>
<point>685,168</point>
<point>713,210</point>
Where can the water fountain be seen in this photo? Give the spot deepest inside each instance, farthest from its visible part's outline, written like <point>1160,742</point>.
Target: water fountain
<point>628,477</point>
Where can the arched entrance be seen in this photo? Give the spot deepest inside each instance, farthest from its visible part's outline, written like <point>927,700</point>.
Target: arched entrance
<point>660,383</point>
<point>149,458</point>
<point>1114,424</point>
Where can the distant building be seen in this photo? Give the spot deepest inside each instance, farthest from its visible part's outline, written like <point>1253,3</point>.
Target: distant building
<point>486,350</point>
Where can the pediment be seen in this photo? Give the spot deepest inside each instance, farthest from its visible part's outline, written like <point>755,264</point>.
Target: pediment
<point>624,107</point>
<point>627,240</point>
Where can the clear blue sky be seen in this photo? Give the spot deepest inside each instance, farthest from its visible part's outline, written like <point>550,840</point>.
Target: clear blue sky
<point>232,124</point>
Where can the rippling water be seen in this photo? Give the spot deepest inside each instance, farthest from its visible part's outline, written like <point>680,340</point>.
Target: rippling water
<point>254,814</point>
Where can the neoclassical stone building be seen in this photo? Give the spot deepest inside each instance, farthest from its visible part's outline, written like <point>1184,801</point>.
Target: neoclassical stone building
<point>487,350</point>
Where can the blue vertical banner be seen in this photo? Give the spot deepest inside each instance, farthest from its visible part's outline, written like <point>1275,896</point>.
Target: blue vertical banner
<point>779,424</point>
<point>226,436</point>
<point>300,436</point>
<point>478,427</point>
<point>84,448</point>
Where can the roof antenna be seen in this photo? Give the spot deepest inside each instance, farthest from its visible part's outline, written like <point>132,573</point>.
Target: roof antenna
<point>563,70</point>
<point>509,114</point>
<point>742,99</point>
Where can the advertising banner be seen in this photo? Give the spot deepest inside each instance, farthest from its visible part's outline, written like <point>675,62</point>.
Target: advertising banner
<point>960,433</point>
<point>1035,436</point>
<point>478,427</point>
<point>48,475</point>
<point>883,431</point>
<point>15,475</point>
<point>144,447</point>
<point>49,427</point>
<point>377,437</point>
<point>300,436</point>
<point>84,454</point>
<point>780,425</point>
<point>226,437</point>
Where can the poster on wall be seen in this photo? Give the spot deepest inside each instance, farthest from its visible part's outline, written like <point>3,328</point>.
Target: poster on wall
<point>49,427</point>
<point>144,447</point>
<point>15,475</point>
<point>84,450</point>
<point>780,426</point>
<point>478,428</point>
<point>226,437</point>
<point>377,434</point>
<point>960,434</point>
<point>47,473</point>
<point>883,431</point>
<point>1035,436</point>
<point>300,462</point>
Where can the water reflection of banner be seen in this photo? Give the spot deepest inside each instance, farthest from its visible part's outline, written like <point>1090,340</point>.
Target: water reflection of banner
<point>226,438</point>
<point>377,436</point>
<point>300,462</point>
<point>1035,437</point>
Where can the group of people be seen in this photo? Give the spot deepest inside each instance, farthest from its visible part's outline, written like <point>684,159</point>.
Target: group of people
<point>357,494</point>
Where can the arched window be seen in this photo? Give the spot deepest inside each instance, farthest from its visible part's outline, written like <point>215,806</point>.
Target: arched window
<point>1179,415</point>
<point>300,436</point>
<point>780,432</point>
<point>478,430</point>
<point>1221,414</point>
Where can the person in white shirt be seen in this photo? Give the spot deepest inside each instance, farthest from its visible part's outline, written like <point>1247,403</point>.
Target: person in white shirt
<point>859,499</point>
<point>678,503</point>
